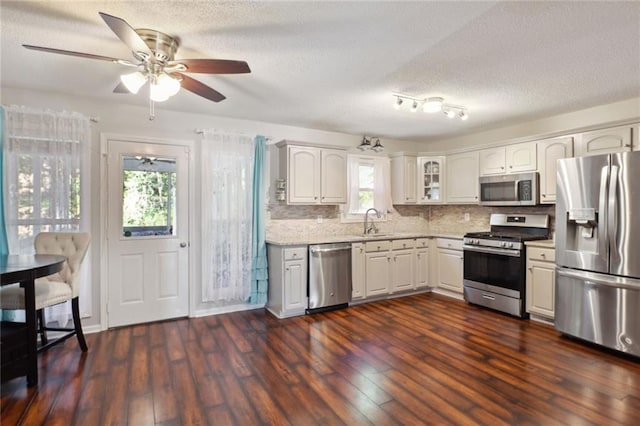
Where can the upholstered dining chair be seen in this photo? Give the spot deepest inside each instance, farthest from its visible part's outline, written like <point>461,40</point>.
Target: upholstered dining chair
<point>56,288</point>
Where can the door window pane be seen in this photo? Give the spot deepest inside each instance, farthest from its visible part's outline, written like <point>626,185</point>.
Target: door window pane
<point>148,196</point>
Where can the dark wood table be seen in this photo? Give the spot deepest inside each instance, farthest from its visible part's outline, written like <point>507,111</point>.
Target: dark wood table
<point>24,270</point>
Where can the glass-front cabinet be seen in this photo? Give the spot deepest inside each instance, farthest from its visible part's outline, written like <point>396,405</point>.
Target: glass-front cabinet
<point>430,182</point>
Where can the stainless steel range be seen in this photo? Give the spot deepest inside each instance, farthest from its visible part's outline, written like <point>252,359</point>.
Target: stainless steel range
<point>495,261</point>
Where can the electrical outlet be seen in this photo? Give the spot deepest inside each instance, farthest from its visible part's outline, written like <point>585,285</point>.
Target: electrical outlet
<point>319,218</point>
<point>467,218</point>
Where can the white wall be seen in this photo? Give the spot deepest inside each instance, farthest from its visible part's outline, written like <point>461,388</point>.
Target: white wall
<point>115,118</point>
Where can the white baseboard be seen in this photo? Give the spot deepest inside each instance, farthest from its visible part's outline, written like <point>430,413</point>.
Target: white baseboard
<point>225,310</point>
<point>447,293</point>
<point>89,329</point>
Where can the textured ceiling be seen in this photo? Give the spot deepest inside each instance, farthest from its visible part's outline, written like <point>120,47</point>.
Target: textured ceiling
<point>334,65</point>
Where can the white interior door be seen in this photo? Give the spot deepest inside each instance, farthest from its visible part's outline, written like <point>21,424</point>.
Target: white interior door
<point>147,235</point>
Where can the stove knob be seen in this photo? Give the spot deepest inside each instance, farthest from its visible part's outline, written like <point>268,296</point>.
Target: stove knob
<point>510,245</point>
<point>476,242</point>
<point>503,244</point>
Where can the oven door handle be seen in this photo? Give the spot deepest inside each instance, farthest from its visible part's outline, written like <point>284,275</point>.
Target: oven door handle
<point>504,252</point>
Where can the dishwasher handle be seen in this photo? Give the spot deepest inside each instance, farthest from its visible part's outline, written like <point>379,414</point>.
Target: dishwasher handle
<point>329,248</point>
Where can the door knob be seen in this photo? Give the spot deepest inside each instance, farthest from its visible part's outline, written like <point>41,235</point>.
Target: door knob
<point>183,245</point>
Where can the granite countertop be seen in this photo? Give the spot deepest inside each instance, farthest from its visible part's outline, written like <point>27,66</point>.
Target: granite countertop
<point>327,239</point>
<point>541,243</point>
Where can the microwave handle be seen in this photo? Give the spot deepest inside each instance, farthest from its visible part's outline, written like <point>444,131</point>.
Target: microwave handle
<point>516,189</point>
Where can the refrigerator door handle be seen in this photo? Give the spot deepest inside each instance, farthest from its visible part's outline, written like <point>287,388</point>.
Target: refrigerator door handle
<point>594,279</point>
<point>602,207</point>
<point>612,212</point>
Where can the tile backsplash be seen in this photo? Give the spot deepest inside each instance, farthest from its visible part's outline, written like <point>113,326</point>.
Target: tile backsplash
<point>310,221</point>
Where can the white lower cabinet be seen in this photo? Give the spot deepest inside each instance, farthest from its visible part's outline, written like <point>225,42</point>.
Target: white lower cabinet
<point>422,263</point>
<point>358,271</point>
<point>287,280</point>
<point>378,273</point>
<point>402,265</point>
<point>450,264</point>
<point>541,281</point>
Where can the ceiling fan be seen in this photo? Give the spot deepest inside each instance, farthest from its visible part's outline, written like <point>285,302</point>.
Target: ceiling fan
<point>154,54</point>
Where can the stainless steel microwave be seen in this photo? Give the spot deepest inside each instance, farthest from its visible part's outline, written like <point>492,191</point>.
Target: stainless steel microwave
<point>509,190</point>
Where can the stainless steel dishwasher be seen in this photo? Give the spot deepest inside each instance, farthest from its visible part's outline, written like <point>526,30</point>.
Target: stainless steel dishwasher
<point>329,276</point>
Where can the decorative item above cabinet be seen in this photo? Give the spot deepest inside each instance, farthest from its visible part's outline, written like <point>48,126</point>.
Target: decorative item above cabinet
<point>314,174</point>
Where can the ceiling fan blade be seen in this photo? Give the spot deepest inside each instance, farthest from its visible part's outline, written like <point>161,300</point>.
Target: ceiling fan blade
<point>126,33</point>
<point>200,89</point>
<point>213,66</point>
<point>121,88</point>
<point>78,54</point>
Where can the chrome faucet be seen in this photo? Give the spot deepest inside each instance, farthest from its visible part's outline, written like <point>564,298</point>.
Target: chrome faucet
<point>368,229</point>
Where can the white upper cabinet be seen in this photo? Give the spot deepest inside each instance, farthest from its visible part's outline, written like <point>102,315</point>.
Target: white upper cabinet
<point>403,179</point>
<point>516,158</point>
<point>314,175</point>
<point>462,178</point>
<point>303,178</point>
<point>333,172</point>
<point>549,152</point>
<point>430,182</point>
<point>492,161</point>
<point>615,139</point>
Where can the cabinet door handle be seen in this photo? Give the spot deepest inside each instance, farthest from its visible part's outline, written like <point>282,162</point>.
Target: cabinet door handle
<point>315,198</point>
<point>511,167</point>
<point>531,269</point>
<point>542,255</point>
<point>501,167</point>
<point>323,198</point>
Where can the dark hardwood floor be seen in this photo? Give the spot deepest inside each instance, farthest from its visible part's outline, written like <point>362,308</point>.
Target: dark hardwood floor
<point>423,359</point>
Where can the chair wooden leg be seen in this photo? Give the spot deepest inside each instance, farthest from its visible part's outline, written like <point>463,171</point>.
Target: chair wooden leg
<point>42,324</point>
<point>75,309</point>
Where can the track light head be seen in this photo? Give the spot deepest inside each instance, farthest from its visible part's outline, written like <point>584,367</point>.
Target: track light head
<point>414,106</point>
<point>463,115</point>
<point>398,103</point>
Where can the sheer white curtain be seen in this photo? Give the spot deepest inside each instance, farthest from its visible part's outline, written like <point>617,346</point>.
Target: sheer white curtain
<point>48,185</point>
<point>227,180</point>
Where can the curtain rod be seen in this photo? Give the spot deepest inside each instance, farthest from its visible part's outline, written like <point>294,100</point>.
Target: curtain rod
<point>201,132</point>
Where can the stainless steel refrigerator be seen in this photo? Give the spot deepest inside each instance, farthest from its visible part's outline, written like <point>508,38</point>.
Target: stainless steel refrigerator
<point>598,250</point>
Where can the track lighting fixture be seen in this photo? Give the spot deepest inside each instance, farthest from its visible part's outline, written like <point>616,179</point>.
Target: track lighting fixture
<point>366,144</point>
<point>431,105</point>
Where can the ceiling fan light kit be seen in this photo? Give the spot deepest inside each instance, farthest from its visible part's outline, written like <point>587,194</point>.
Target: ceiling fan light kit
<point>431,105</point>
<point>155,52</point>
